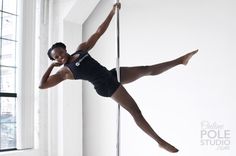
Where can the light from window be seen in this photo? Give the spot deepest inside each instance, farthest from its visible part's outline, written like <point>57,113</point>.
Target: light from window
<point>8,95</point>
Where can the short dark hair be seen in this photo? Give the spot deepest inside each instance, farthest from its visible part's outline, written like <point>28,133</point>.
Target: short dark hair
<point>56,45</point>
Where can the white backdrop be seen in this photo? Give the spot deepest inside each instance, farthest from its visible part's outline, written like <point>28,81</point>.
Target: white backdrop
<point>190,106</point>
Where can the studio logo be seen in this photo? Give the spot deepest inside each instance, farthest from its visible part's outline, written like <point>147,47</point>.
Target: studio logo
<point>215,135</point>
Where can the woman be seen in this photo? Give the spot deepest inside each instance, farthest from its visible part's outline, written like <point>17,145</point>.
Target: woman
<point>81,65</point>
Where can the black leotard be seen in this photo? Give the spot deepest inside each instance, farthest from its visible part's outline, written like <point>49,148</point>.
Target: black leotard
<point>86,68</point>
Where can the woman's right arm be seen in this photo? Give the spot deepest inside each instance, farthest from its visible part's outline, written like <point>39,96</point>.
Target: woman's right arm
<point>48,80</point>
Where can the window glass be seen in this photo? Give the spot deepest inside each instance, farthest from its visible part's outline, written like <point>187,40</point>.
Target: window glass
<point>8,26</point>
<point>8,53</point>
<point>8,123</point>
<point>7,76</point>
<point>9,6</point>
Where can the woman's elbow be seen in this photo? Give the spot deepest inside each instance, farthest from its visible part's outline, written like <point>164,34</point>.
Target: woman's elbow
<point>42,87</point>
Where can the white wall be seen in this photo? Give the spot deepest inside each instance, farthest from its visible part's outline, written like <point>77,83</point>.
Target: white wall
<point>99,114</point>
<point>65,107</point>
<point>72,102</point>
<point>176,102</point>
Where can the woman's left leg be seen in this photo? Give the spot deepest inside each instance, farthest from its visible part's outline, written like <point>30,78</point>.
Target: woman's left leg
<point>122,97</point>
<point>130,74</point>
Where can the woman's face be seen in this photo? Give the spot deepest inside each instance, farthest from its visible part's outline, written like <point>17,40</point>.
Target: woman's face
<point>60,55</point>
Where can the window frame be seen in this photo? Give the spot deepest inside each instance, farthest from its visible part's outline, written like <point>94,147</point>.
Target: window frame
<point>14,40</point>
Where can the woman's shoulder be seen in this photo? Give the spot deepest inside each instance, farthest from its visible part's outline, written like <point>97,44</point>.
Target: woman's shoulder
<point>81,51</point>
<point>76,55</point>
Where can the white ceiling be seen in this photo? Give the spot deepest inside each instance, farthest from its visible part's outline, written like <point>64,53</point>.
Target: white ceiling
<point>80,10</point>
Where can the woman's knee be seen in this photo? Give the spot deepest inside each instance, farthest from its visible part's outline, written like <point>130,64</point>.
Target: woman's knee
<point>135,112</point>
<point>123,98</point>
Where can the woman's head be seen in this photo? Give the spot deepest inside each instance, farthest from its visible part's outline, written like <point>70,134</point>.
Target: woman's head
<point>58,52</point>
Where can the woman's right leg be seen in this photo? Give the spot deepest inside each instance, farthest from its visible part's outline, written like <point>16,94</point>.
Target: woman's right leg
<point>130,74</point>
<point>122,97</point>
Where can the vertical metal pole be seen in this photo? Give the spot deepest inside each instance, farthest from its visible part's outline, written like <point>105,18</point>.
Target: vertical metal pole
<point>118,78</point>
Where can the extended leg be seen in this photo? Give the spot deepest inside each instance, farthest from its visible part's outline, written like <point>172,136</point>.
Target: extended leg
<point>130,74</point>
<point>122,97</point>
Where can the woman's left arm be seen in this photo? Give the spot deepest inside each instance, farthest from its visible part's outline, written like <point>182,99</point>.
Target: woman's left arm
<point>86,46</point>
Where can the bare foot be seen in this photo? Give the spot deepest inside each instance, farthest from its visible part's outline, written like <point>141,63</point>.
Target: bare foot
<point>168,147</point>
<point>184,59</point>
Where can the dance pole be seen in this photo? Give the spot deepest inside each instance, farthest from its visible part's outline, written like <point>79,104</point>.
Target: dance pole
<point>118,78</point>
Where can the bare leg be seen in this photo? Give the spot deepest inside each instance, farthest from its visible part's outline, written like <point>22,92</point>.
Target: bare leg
<point>130,74</point>
<point>122,97</point>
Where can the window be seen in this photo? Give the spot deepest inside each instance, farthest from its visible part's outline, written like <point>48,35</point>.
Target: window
<point>8,95</point>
